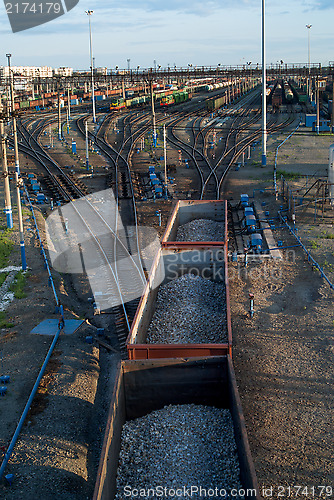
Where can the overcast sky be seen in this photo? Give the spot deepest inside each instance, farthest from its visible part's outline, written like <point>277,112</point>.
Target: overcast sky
<point>175,32</point>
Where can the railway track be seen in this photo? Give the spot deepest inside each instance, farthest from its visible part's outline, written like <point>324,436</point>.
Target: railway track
<point>125,207</point>
<point>120,244</point>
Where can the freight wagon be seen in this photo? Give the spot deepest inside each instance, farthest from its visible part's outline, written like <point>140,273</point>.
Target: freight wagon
<point>164,98</point>
<point>216,103</point>
<point>141,388</point>
<point>288,94</point>
<point>186,212</point>
<point>299,93</point>
<point>276,99</point>
<point>195,276</point>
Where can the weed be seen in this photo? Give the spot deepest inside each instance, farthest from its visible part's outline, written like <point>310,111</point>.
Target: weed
<point>6,246</point>
<point>314,244</point>
<point>3,276</point>
<point>18,285</point>
<point>288,175</point>
<point>3,321</point>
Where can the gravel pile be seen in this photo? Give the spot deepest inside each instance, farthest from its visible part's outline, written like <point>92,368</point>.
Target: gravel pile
<point>179,446</point>
<point>201,230</point>
<point>189,310</point>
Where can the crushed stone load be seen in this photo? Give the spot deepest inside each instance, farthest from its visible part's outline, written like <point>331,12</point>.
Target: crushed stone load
<point>189,310</point>
<point>201,230</point>
<point>179,446</point>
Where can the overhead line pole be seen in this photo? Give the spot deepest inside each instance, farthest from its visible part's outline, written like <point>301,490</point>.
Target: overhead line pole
<point>165,162</point>
<point>18,181</point>
<point>264,87</point>
<point>8,206</point>
<point>309,26</point>
<point>153,115</point>
<point>89,13</point>
<point>87,148</point>
<point>59,115</point>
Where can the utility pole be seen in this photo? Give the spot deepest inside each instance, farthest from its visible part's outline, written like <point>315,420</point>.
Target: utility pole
<point>67,122</point>
<point>165,162</point>
<point>89,13</point>
<point>87,149</point>
<point>153,115</point>
<point>68,103</point>
<point>264,85</point>
<point>8,206</point>
<point>318,105</point>
<point>332,116</point>
<point>50,136</point>
<point>18,181</point>
<point>59,116</point>
<point>309,26</point>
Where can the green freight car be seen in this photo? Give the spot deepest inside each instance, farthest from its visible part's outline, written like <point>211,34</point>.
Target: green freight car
<point>299,92</point>
<point>24,104</point>
<point>215,103</point>
<point>180,96</point>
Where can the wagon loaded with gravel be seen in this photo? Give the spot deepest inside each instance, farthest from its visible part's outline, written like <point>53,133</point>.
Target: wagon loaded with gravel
<point>184,310</point>
<point>176,426</point>
<point>197,223</point>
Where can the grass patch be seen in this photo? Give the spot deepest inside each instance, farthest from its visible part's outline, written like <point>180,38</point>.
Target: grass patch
<point>3,321</point>
<point>288,175</point>
<point>314,244</point>
<point>325,236</point>
<point>328,266</point>
<point>18,285</point>
<point>6,247</point>
<point>3,276</point>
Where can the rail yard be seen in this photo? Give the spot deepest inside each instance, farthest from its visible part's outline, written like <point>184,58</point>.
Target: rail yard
<point>174,326</point>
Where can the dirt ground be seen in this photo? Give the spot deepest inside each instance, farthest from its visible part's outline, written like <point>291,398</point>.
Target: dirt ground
<point>283,356</point>
<point>60,442</point>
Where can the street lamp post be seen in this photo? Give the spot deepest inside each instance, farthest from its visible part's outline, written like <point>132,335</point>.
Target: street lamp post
<point>264,95</point>
<point>89,13</point>
<point>309,26</point>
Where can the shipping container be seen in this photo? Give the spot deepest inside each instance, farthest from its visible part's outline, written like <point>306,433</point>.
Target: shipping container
<point>170,265</point>
<point>141,388</point>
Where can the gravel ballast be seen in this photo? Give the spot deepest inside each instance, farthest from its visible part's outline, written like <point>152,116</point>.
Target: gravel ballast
<point>179,446</point>
<point>189,310</point>
<point>201,230</point>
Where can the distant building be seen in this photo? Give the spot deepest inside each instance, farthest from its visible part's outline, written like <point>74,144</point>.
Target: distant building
<point>101,71</point>
<point>63,71</point>
<point>27,71</point>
